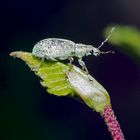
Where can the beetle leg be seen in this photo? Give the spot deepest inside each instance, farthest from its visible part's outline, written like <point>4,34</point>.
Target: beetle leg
<point>70,67</point>
<point>36,67</point>
<point>70,63</point>
<point>71,60</point>
<point>83,65</point>
<point>45,57</point>
<point>42,60</point>
<point>50,58</point>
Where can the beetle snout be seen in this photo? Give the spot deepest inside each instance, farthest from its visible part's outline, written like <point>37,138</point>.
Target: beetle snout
<point>97,53</point>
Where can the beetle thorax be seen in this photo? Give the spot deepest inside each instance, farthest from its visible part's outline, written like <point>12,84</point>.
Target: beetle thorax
<point>83,50</point>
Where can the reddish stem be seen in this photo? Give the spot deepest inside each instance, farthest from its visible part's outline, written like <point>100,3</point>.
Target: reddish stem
<point>112,123</point>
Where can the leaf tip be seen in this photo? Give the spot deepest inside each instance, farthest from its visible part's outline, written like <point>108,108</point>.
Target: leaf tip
<point>15,54</point>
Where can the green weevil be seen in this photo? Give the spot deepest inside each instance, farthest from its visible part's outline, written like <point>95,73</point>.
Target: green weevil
<point>55,49</point>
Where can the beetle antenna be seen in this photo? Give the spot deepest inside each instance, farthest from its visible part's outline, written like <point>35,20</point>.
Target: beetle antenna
<point>111,31</point>
<point>107,52</point>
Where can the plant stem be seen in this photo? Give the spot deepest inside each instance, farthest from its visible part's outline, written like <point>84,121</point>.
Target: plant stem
<point>112,123</point>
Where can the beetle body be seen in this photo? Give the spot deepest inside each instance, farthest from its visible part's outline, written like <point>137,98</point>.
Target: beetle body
<point>61,49</point>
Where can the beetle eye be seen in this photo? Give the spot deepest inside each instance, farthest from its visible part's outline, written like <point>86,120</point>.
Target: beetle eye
<point>91,51</point>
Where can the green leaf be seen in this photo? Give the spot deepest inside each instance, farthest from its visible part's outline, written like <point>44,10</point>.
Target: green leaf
<point>52,73</point>
<point>126,38</point>
<point>61,81</point>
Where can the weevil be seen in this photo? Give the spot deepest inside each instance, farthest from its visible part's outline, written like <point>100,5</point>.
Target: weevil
<point>55,49</point>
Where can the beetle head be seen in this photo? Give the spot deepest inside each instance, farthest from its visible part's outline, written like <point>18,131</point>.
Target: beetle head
<point>96,52</point>
<point>93,51</point>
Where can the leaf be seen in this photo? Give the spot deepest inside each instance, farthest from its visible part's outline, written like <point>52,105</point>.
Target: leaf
<point>91,92</point>
<point>127,38</point>
<point>61,81</point>
<point>52,73</point>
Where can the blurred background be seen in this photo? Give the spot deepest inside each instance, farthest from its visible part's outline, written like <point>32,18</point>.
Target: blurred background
<point>27,112</point>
